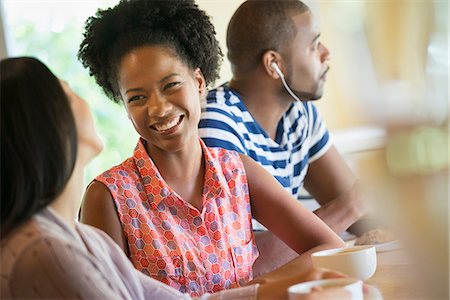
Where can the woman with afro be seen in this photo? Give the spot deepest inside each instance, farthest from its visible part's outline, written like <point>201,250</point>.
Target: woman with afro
<point>181,211</point>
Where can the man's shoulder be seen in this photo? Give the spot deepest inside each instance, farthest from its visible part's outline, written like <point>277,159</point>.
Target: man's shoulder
<point>304,113</point>
<point>223,108</point>
<point>223,95</point>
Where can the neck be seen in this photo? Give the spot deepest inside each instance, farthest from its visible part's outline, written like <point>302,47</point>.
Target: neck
<point>183,171</point>
<point>68,203</point>
<point>261,96</point>
<point>178,165</point>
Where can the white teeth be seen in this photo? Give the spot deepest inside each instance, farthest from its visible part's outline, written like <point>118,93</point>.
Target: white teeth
<point>168,125</point>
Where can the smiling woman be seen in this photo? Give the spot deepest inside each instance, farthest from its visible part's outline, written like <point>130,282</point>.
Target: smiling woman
<point>161,97</point>
<point>157,58</point>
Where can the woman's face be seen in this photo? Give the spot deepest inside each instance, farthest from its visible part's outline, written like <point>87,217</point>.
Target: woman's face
<point>88,138</point>
<point>162,97</point>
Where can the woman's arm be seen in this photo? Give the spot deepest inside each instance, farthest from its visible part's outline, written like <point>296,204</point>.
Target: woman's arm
<point>276,209</point>
<point>98,210</point>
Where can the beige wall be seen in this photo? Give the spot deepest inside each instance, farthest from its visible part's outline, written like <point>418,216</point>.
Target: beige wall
<point>221,11</point>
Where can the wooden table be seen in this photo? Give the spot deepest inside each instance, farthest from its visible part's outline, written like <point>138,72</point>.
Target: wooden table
<point>396,277</point>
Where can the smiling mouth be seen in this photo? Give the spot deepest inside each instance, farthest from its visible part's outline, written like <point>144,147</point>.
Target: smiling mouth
<point>168,126</point>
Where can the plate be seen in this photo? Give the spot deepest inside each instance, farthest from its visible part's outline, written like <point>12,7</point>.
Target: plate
<point>383,247</point>
<point>373,293</point>
<point>389,246</point>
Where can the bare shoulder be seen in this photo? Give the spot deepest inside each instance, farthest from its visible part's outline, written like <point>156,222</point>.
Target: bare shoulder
<point>97,190</point>
<point>96,198</point>
<point>99,210</point>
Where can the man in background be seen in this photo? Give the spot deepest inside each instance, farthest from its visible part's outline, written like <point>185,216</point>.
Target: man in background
<point>266,111</point>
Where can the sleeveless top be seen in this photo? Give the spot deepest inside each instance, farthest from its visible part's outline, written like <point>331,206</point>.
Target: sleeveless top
<point>171,240</point>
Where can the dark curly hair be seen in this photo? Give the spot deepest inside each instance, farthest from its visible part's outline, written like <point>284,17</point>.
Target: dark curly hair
<point>179,25</point>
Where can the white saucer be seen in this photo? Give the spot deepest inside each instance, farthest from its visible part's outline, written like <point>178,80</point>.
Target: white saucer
<point>389,246</point>
<point>373,293</point>
<point>383,247</point>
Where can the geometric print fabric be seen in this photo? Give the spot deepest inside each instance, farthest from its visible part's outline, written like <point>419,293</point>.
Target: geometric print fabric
<point>171,240</point>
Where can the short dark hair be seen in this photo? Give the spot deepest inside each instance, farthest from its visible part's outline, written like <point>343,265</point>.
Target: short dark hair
<point>39,139</point>
<point>180,25</point>
<point>258,26</point>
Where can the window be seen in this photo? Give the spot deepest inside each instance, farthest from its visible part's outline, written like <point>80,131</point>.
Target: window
<point>52,32</point>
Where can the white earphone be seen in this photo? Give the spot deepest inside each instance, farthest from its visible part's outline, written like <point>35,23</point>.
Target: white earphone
<point>277,69</point>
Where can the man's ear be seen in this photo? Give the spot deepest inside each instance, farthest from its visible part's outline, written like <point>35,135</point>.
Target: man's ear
<point>268,59</point>
<point>201,82</point>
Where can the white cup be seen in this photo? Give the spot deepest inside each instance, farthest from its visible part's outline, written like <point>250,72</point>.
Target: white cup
<point>352,285</point>
<point>357,261</point>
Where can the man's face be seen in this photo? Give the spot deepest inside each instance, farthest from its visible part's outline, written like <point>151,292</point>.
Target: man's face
<point>307,59</point>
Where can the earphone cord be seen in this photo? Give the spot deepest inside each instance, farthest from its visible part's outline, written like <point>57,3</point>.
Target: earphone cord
<point>302,108</point>
<point>302,119</point>
<point>288,89</point>
<point>286,130</point>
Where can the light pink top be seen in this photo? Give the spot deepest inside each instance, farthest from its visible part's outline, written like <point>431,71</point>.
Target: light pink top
<point>44,258</point>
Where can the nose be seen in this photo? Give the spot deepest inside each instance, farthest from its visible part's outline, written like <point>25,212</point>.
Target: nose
<point>158,106</point>
<point>325,55</point>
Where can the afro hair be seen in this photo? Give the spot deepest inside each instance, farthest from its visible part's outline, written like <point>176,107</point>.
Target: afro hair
<point>179,25</point>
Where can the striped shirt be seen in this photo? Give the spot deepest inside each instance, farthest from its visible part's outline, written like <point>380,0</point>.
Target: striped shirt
<point>301,136</point>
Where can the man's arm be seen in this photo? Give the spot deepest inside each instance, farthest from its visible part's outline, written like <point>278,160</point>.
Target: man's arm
<point>276,209</point>
<point>331,182</point>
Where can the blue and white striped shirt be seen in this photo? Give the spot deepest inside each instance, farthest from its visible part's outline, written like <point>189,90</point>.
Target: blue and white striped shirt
<point>301,136</point>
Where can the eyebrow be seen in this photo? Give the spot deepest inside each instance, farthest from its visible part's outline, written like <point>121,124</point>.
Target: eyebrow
<point>168,76</point>
<point>316,38</point>
<point>160,81</point>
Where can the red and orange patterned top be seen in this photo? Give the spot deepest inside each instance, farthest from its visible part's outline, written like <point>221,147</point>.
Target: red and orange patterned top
<point>171,240</point>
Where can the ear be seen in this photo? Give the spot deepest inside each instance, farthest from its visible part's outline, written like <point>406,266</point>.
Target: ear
<point>201,82</point>
<point>268,58</point>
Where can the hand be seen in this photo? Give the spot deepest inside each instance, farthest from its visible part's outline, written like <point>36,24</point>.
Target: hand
<point>276,288</point>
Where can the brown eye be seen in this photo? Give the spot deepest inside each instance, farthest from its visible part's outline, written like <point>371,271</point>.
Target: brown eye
<point>136,98</point>
<point>171,84</point>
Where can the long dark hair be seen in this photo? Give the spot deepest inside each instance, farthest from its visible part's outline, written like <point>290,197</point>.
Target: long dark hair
<point>38,139</point>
